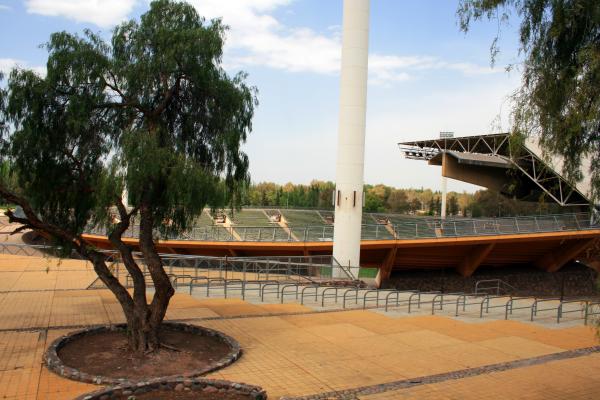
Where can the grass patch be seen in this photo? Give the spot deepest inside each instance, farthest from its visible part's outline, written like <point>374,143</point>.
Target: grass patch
<point>368,272</point>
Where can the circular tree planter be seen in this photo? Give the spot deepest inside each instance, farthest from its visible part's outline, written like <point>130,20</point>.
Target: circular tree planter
<point>230,351</point>
<point>179,389</point>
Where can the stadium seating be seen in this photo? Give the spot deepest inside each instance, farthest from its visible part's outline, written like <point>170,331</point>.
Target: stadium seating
<point>249,218</point>
<point>315,225</point>
<point>302,217</point>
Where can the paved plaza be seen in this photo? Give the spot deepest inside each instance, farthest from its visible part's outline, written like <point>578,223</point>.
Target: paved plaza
<point>296,351</point>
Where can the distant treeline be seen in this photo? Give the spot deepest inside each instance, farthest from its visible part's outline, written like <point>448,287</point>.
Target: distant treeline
<point>387,199</point>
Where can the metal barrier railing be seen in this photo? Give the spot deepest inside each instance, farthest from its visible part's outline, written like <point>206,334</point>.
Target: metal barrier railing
<point>350,290</point>
<point>325,296</point>
<point>509,307</point>
<point>305,288</point>
<point>367,298</point>
<point>289,285</point>
<point>590,312</point>
<point>217,277</point>
<point>535,309</point>
<point>464,297</point>
<point>486,301</point>
<point>364,298</point>
<point>497,284</point>
<point>441,296</point>
<point>560,312</point>
<point>399,228</point>
<point>301,269</point>
<point>418,294</point>
<point>398,302</point>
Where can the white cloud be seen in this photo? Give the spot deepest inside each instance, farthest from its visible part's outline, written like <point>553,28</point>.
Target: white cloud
<point>4,7</point>
<point>387,69</point>
<point>257,38</point>
<point>7,64</point>
<point>104,13</point>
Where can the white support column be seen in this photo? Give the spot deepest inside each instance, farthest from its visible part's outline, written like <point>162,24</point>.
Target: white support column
<point>351,134</point>
<point>444,196</point>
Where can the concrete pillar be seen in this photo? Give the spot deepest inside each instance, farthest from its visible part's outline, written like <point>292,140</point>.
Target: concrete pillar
<point>444,185</point>
<point>351,134</point>
<point>444,196</point>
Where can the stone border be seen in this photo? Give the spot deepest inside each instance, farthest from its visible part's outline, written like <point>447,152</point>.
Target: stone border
<point>55,364</point>
<point>207,386</point>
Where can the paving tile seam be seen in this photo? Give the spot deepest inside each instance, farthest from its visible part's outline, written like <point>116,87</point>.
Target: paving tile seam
<point>45,290</point>
<point>219,318</point>
<point>352,394</point>
<point>194,319</point>
<point>52,269</point>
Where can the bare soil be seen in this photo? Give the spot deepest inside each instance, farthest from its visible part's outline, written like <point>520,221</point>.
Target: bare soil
<point>107,354</point>
<point>191,395</point>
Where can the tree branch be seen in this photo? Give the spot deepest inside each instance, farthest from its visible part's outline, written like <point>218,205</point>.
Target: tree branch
<point>169,95</point>
<point>20,229</point>
<point>115,237</point>
<point>162,284</point>
<point>98,259</point>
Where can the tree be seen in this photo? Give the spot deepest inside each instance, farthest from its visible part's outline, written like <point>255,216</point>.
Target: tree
<point>452,206</point>
<point>152,111</point>
<point>398,201</point>
<point>431,210</point>
<point>559,98</point>
<point>415,205</point>
<point>374,198</point>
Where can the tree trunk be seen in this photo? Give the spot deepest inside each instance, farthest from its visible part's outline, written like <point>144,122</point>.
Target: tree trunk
<point>143,319</point>
<point>137,316</point>
<point>163,290</point>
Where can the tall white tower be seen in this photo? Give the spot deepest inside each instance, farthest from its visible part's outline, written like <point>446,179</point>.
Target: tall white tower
<point>351,134</point>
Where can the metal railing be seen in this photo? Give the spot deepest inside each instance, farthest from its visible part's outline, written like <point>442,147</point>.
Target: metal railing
<point>307,270</point>
<point>287,279</point>
<point>592,309</point>
<point>497,285</point>
<point>399,228</point>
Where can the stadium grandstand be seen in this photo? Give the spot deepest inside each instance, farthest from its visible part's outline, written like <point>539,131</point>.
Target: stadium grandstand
<point>398,242</point>
<point>493,161</point>
<point>391,241</point>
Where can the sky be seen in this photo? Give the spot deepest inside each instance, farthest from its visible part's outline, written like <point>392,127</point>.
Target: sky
<point>425,76</point>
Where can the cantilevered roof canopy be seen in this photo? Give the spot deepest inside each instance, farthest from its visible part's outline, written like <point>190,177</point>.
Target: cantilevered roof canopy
<point>487,160</point>
<point>476,159</point>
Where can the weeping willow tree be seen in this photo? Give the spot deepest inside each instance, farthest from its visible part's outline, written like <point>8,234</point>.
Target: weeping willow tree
<point>559,99</point>
<point>152,111</point>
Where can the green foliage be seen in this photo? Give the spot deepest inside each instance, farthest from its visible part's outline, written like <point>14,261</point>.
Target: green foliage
<point>483,203</point>
<point>559,98</point>
<point>368,272</point>
<point>378,198</point>
<point>267,194</point>
<point>373,203</point>
<point>152,111</point>
<point>398,201</point>
<point>486,203</point>
<point>452,207</point>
